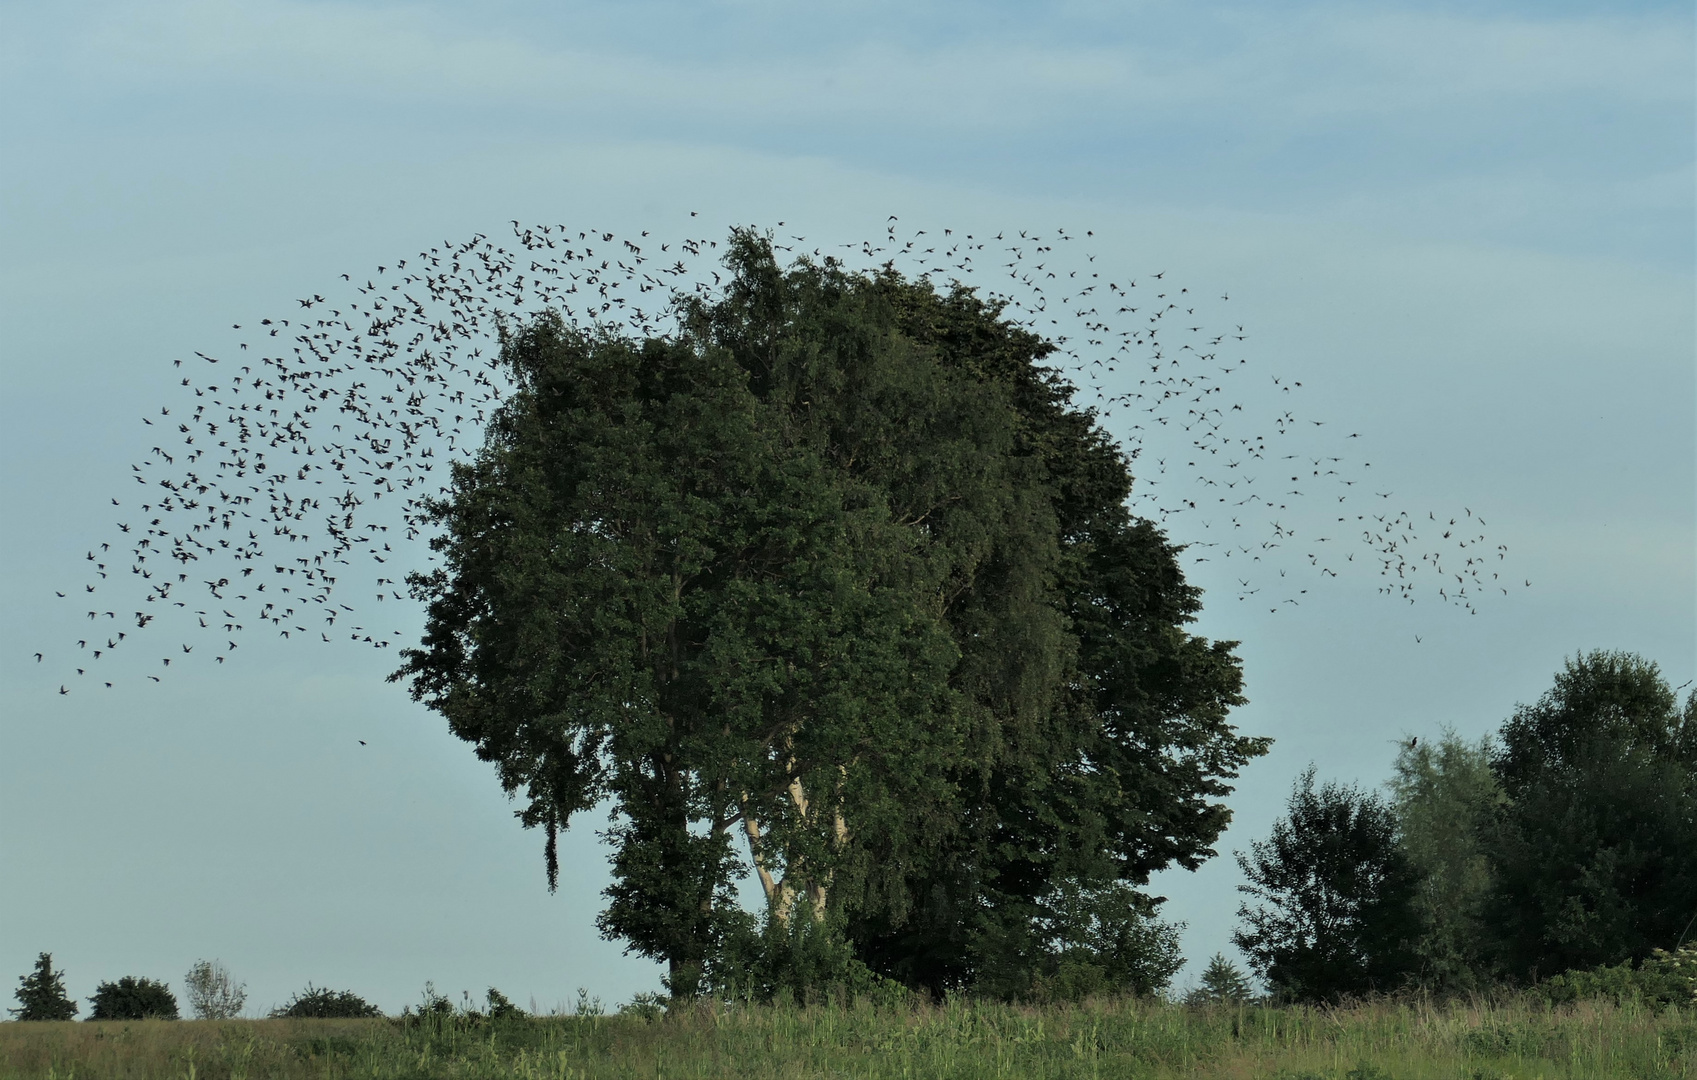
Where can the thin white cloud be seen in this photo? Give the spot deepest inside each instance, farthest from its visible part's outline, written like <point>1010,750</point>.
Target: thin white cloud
<point>1318,63</point>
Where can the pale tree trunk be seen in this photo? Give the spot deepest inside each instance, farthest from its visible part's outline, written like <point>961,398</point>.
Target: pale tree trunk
<point>781,895</point>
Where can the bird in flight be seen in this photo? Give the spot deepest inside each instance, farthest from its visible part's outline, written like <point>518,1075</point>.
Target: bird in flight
<point>297,469</point>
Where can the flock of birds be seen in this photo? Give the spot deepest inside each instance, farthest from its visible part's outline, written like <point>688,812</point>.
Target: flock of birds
<point>311,448</point>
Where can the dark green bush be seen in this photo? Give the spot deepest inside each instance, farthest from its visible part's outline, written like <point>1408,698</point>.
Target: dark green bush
<point>1664,978</point>
<point>501,1008</point>
<point>132,998</point>
<point>316,1002</point>
<point>807,961</point>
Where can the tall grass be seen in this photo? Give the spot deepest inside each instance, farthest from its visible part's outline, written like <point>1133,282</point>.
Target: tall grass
<point>967,1040</point>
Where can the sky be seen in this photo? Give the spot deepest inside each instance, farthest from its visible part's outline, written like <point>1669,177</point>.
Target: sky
<point>1466,229</point>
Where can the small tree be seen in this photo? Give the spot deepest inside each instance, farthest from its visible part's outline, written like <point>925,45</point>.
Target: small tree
<point>319,1003</point>
<point>1222,981</point>
<point>1338,916</point>
<point>1446,799</point>
<point>212,994</point>
<point>41,993</point>
<point>1103,940</point>
<point>132,998</point>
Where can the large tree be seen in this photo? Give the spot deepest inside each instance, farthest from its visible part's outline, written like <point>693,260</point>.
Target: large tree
<point>1104,762</point>
<point>837,568</point>
<point>1593,855</point>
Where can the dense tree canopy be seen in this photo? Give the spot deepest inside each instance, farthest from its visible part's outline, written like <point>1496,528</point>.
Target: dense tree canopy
<point>1336,913</point>
<point>1564,844</point>
<point>841,569</point>
<point>1446,800</point>
<point>132,998</point>
<point>1593,856</point>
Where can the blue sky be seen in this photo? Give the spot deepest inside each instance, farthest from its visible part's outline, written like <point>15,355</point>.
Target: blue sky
<point>1468,229</point>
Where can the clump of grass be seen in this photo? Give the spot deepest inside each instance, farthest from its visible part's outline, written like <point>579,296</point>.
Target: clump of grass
<point>1384,1040</point>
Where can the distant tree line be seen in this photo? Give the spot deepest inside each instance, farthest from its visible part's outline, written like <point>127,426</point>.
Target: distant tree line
<point>1567,843</point>
<point>41,996</point>
<point>1558,854</point>
<point>212,994</point>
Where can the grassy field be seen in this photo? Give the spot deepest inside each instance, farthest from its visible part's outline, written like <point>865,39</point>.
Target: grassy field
<point>1102,1039</point>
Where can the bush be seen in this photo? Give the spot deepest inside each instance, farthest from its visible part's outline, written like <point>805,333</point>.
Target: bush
<point>1102,940</point>
<point>1664,978</point>
<point>41,993</point>
<point>132,998</point>
<point>318,1003</point>
<point>501,1008</point>
<point>212,994</point>
<point>804,960</point>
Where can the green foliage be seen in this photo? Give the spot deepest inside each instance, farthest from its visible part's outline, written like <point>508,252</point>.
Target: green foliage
<point>1081,942</point>
<point>431,1005</point>
<point>804,961</point>
<point>501,1007</point>
<point>646,1007</point>
<point>320,1003</point>
<point>1446,798</point>
<point>437,1014</point>
<point>1593,854</point>
<point>1109,760</point>
<point>839,568</point>
<point>591,1006</point>
<point>1337,915</point>
<point>41,993</point>
<point>212,993</point>
<point>1663,978</point>
<point>132,998</point>
<point>1222,983</point>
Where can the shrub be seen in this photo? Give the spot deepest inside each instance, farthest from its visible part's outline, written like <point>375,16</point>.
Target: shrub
<point>1103,939</point>
<point>804,960</point>
<point>212,994</point>
<point>132,998</point>
<point>1664,978</point>
<point>648,1006</point>
<point>318,1003</point>
<point>589,1006</point>
<point>41,993</point>
<point>502,1008</point>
